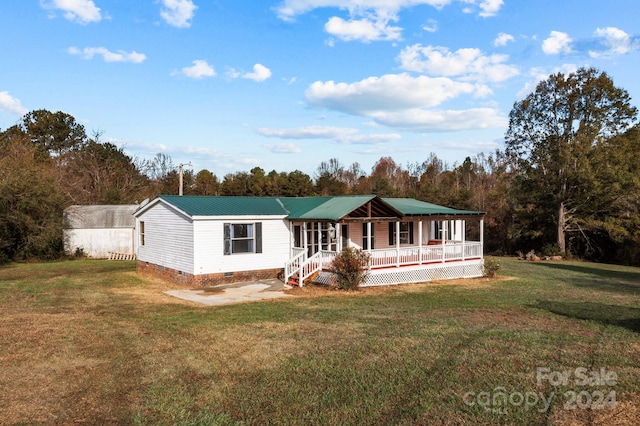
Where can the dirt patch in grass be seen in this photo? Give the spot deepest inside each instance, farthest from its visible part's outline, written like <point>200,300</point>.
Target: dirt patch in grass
<point>151,291</point>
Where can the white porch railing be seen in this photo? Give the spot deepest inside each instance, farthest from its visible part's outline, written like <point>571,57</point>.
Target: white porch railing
<point>384,258</point>
<point>305,266</point>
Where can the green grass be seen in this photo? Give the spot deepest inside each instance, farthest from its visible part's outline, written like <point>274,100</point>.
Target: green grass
<point>93,342</point>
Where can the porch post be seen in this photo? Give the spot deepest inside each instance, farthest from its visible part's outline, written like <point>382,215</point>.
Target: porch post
<point>482,237</point>
<point>369,237</point>
<point>397,243</point>
<point>464,235</point>
<point>338,238</point>
<point>305,243</point>
<point>420,242</point>
<point>443,236</point>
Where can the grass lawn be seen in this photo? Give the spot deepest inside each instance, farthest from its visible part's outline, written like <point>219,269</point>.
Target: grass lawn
<point>92,342</point>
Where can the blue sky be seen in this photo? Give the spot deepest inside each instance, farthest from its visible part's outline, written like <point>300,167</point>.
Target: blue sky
<point>229,85</point>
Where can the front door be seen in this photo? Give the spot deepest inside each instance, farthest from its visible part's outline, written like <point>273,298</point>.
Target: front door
<point>320,236</point>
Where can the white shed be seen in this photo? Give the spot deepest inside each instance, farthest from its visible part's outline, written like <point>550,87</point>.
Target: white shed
<point>100,231</point>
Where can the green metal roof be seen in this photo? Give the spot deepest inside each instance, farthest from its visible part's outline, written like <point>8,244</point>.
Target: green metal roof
<point>304,208</point>
<point>226,206</point>
<point>413,207</point>
<point>298,207</point>
<point>324,208</point>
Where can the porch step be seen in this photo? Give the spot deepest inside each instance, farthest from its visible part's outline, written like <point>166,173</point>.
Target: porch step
<point>294,280</point>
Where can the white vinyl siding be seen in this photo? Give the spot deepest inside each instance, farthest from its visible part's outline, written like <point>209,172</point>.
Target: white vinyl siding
<point>168,239</point>
<point>209,246</point>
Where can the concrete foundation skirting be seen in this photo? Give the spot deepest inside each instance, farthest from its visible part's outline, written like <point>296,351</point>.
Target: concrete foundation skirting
<point>205,280</point>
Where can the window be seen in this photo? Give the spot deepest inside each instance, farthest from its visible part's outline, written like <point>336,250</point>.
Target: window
<point>242,238</point>
<point>444,229</point>
<point>141,231</point>
<point>406,233</point>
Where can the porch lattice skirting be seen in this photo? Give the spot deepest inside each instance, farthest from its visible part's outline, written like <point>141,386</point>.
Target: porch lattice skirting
<point>417,274</point>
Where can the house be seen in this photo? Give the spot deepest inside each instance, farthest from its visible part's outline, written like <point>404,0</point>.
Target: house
<point>100,231</point>
<point>209,240</point>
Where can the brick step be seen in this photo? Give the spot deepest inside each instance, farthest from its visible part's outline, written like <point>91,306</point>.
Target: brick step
<point>294,280</point>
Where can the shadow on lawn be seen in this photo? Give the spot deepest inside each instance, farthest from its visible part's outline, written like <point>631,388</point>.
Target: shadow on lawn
<point>598,277</point>
<point>620,316</point>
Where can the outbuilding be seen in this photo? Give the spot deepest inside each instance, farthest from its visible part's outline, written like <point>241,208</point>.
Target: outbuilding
<point>100,231</point>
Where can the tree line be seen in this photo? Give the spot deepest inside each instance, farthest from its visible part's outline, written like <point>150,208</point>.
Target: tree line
<point>567,182</point>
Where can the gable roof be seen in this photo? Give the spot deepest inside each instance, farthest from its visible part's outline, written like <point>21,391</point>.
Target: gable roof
<point>413,207</point>
<point>331,208</point>
<point>337,208</point>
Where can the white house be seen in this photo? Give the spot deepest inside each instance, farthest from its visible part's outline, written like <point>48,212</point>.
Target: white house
<point>100,231</point>
<point>208,240</point>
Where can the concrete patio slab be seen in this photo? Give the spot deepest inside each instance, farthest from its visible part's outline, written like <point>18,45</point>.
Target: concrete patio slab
<point>234,293</point>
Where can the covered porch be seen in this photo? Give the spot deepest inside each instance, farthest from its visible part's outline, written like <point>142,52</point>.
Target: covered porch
<point>407,240</point>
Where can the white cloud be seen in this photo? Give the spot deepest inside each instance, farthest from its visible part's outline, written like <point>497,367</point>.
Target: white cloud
<point>558,42</point>
<point>389,92</point>
<point>260,73</point>
<point>283,148</point>
<point>431,26</point>
<point>344,135</point>
<point>617,42</point>
<point>424,120</point>
<point>403,101</point>
<point>365,30</point>
<point>199,69</point>
<point>80,11</point>
<point>469,63</point>
<point>178,13</point>
<point>308,132</point>
<point>107,55</point>
<point>490,7</point>
<point>369,19</point>
<point>373,139</point>
<point>503,39</point>
<point>287,10</point>
<point>10,104</point>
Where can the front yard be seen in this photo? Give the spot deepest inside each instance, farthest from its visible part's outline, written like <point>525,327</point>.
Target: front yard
<point>546,343</point>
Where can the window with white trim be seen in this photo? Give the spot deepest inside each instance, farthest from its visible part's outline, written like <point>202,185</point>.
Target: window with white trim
<point>406,233</point>
<point>444,229</point>
<point>242,238</point>
<point>141,231</point>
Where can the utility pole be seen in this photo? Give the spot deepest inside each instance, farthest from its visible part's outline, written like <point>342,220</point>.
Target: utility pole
<point>182,176</point>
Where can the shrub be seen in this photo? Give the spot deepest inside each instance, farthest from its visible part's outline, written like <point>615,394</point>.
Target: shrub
<point>491,266</point>
<point>551,250</point>
<point>80,253</point>
<point>350,267</point>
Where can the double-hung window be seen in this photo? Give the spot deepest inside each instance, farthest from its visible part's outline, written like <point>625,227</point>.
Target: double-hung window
<point>242,238</point>
<point>406,233</point>
<point>141,232</point>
